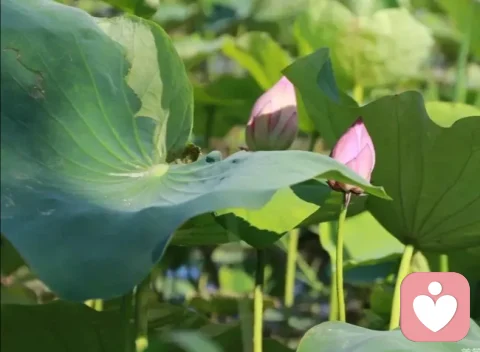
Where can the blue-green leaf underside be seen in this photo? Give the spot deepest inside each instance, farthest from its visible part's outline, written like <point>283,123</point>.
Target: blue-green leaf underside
<point>87,198</point>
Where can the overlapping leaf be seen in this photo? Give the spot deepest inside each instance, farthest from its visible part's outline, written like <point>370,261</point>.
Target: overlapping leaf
<point>430,171</point>
<point>343,337</point>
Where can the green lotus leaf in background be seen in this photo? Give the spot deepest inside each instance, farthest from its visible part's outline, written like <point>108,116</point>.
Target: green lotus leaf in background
<point>381,49</point>
<point>137,7</point>
<point>358,230</point>
<point>60,326</point>
<point>303,204</point>
<point>194,49</point>
<point>447,113</point>
<point>363,264</point>
<point>430,171</point>
<point>462,12</point>
<point>343,337</point>
<point>202,230</point>
<point>258,53</point>
<point>87,196</point>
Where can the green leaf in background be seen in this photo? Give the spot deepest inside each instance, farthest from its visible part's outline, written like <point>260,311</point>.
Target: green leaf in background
<point>430,171</point>
<point>276,10</point>
<point>228,91</point>
<point>226,304</point>
<point>86,199</point>
<point>260,55</point>
<point>366,241</point>
<point>343,337</point>
<point>60,326</point>
<point>461,11</point>
<point>369,7</point>
<point>303,204</point>
<point>10,260</point>
<point>140,8</point>
<point>194,49</point>
<point>188,341</point>
<point>447,113</point>
<point>202,230</point>
<point>227,101</point>
<point>264,226</point>
<point>231,337</point>
<point>384,48</point>
<point>175,12</point>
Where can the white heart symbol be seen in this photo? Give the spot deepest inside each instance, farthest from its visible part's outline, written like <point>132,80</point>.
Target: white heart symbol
<point>435,315</point>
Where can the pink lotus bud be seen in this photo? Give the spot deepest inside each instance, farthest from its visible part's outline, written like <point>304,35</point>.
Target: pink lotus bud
<point>354,149</point>
<point>273,122</point>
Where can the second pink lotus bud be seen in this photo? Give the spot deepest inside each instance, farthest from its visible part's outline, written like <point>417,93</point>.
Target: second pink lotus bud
<point>273,122</point>
<point>354,149</point>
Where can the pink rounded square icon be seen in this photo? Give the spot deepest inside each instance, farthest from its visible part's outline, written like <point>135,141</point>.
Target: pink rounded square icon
<point>435,307</point>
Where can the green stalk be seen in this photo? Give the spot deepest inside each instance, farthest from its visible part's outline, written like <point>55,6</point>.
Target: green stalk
<point>141,317</point>
<point>313,140</point>
<point>209,122</point>
<point>462,60</point>
<point>291,268</point>
<point>358,93</point>
<point>339,258</point>
<point>333,315</point>
<point>258,302</point>
<point>402,272</point>
<point>127,313</point>
<point>443,258</point>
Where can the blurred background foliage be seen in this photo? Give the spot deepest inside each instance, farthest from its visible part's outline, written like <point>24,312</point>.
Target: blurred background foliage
<point>233,51</point>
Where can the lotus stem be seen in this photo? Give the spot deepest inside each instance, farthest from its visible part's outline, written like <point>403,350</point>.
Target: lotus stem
<point>358,93</point>
<point>313,140</point>
<point>444,267</point>
<point>333,314</point>
<point>462,60</point>
<point>127,314</point>
<point>291,268</point>
<point>403,271</point>
<point>258,302</point>
<point>141,317</point>
<point>209,123</point>
<point>339,258</point>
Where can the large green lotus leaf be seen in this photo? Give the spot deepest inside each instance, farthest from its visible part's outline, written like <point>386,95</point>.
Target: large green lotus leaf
<point>388,46</point>
<point>344,337</point>
<point>87,198</point>
<point>462,12</point>
<point>60,326</point>
<point>165,94</point>
<point>259,54</point>
<point>429,170</point>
